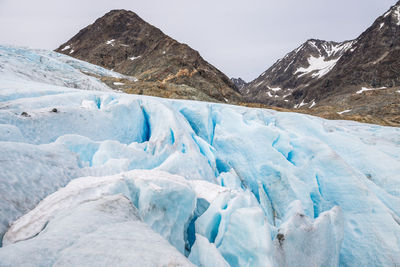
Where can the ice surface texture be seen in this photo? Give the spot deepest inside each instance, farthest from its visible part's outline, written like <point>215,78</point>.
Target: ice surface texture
<point>229,185</point>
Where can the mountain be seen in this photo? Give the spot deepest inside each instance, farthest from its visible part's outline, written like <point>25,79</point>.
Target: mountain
<point>85,169</point>
<point>238,82</point>
<point>122,41</point>
<point>309,62</point>
<point>360,76</point>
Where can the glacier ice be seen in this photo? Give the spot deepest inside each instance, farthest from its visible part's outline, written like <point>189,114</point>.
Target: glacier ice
<point>101,231</point>
<point>242,185</point>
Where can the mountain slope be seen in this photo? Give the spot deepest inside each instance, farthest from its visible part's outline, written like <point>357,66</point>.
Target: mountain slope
<point>122,41</point>
<point>239,83</point>
<point>328,77</point>
<point>373,60</point>
<point>309,62</point>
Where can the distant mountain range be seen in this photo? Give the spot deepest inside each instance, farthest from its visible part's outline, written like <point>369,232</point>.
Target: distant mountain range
<point>356,79</point>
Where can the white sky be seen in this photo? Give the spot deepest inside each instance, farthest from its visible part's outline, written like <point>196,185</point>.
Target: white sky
<point>241,38</point>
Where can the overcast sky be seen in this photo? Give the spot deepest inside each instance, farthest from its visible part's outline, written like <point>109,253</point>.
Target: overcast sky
<point>241,38</point>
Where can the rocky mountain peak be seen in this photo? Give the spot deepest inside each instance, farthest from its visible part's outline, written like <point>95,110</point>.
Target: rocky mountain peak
<point>122,41</point>
<point>239,83</point>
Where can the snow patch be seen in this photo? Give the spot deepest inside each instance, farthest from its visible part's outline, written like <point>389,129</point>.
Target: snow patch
<point>288,65</point>
<point>133,58</point>
<point>110,42</point>
<point>275,89</point>
<point>344,111</point>
<point>66,48</point>
<point>397,14</point>
<point>118,83</point>
<point>301,104</point>
<point>312,104</point>
<point>284,96</point>
<point>258,84</point>
<point>318,65</point>
<point>364,89</point>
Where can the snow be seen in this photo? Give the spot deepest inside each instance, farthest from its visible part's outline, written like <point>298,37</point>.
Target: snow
<point>312,43</point>
<point>133,58</point>
<point>156,179</point>
<point>381,25</point>
<point>344,111</point>
<point>287,67</point>
<point>318,65</point>
<point>72,51</point>
<point>300,105</point>
<point>396,12</point>
<point>66,48</point>
<point>341,47</point>
<point>321,65</point>
<point>284,96</point>
<point>298,48</point>
<point>118,83</point>
<point>275,89</point>
<point>259,83</point>
<point>364,89</point>
<point>110,42</point>
<point>312,104</point>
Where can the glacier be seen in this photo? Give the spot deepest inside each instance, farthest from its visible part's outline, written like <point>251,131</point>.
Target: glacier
<point>91,176</point>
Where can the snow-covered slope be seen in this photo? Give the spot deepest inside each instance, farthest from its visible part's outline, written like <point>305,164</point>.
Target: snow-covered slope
<point>220,184</point>
<point>298,69</point>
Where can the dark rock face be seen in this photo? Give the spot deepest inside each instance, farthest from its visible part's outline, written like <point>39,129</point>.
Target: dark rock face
<point>326,76</point>
<point>122,41</point>
<point>239,83</point>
